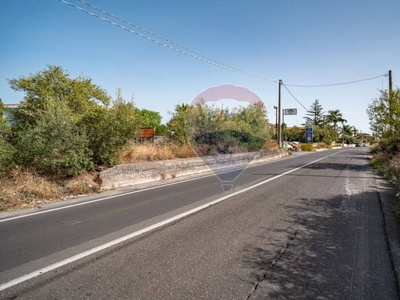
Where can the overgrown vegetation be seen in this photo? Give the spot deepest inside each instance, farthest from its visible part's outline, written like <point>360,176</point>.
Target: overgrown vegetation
<point>211,130</point>
<point>384,115</point>
<point>66,128</point>
<point>63,129</point>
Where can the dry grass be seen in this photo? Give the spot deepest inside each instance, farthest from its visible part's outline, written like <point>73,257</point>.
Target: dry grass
<point>83,184</point>
<point>23,188</point>
<point>163,174</point>
<point>271,145</point>
<point>153,152</point>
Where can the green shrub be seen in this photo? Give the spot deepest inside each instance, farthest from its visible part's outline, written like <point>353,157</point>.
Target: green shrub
<point>109,129</point>
<point>307,147</point>
<point>7,152</point>
<point>6,149</point>
<point>55,146</point>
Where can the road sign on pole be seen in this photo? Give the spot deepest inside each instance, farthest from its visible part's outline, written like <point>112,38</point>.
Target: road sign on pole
<point>290,111</point>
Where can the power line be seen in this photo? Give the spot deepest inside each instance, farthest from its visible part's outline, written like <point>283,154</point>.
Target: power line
<point>284,85</point>
<point>196,55</point>
<point>334,84</point>
<point>213,62</point>
<point>172,42</point>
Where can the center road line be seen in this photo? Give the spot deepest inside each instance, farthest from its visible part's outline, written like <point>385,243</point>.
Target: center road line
<point>120,195</point>
<point>142,231</point>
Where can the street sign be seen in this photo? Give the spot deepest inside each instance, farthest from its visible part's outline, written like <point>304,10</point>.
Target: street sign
<point>309,135</point>
<point>309,124</point>
<point>290,111</point>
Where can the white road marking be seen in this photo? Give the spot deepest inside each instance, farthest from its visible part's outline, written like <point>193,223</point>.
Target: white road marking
<point>142,231</point>
<point>120,195</point>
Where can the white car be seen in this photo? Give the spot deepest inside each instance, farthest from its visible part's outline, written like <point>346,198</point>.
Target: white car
<point>286,146</point>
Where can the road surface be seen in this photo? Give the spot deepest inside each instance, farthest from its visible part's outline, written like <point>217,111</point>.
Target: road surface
<point>305,227</point>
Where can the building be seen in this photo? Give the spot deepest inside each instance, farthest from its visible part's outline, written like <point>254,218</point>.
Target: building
<point>8,108</point>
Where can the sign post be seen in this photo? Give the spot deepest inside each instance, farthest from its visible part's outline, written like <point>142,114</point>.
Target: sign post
<point>309,132</point>
<point>288,112</point>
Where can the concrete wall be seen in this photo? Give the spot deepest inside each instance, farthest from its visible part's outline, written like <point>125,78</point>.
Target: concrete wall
<point>137,173</point>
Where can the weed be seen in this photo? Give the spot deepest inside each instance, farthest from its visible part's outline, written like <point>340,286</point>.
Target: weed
<point>163,174</point>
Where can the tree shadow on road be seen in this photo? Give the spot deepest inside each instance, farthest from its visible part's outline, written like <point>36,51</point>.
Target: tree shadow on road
<point>335,249</point>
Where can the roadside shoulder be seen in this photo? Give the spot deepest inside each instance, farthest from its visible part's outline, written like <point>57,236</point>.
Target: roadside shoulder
<point>391,222</point>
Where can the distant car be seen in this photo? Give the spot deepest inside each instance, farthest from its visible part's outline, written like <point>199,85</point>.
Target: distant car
<point>287,146</point>
<point>358,145</point>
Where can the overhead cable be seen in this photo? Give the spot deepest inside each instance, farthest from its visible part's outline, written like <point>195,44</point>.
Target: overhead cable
<point>172,42</point>
<point>284,85</point>
<point>194,54</point>
<point>334,84</point>
<point>211,62</point>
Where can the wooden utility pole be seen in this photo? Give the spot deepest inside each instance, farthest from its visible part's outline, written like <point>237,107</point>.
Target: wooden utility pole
<point>390,102</point>
<point>279,115</point>
<point>276,122</point>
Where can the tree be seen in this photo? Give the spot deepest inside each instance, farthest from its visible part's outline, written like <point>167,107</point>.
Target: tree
<point>315,113</point>
<point>384,114</point>
<point>88,113</point>
<point>354,131</point>
<point>150,118</point>
<point>294,134</point>
<point>79,94</point>
<point>334,117</point>
<point>347,133</point>
<point>177,125</point>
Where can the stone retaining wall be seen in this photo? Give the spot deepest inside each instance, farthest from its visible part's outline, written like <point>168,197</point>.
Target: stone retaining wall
<point>137,173</point>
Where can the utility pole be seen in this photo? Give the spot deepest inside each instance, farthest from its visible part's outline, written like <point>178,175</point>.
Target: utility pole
<point>279,115</point>
<point>390,102</point>
<point>283,122</point>
<point>276,121</point>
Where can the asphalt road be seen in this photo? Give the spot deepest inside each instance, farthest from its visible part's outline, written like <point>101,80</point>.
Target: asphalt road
<point>314,233</point>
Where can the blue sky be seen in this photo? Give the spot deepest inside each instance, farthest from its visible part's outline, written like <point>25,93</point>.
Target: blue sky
<point>298,41</point>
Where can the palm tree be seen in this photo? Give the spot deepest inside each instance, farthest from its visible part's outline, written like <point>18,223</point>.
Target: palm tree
<point>354,131</point>
<point>347,130</point>
<point>335,116</point>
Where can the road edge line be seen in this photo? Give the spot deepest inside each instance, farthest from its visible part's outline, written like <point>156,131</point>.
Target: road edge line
<point>115,242</point>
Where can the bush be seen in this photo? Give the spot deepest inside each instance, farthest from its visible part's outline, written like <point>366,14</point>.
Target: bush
<point>109,129</point>
<point>7,152</point>
<point>55,146</point>
<point>307,147</point>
